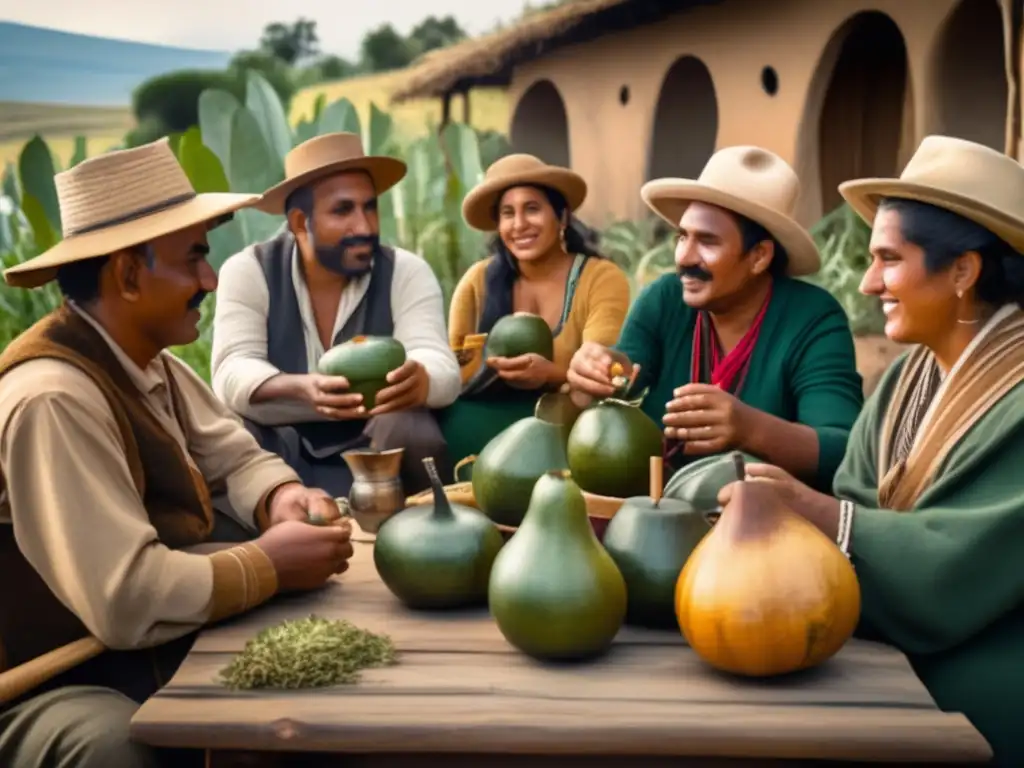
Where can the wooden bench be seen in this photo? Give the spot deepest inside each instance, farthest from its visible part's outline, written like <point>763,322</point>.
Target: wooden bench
<point>462,696</point>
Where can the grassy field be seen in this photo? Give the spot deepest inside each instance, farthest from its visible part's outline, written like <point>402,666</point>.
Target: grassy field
<point>488,106</point>
<point>105,127</point>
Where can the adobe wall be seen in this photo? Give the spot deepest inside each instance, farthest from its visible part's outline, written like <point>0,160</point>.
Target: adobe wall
<point>599,109</point>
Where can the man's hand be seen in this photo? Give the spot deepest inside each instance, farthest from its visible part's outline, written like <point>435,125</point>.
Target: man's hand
<point>294,501</point>
<point>409,386</point>
<point>590,375</point>
<point>706,419</point>
<point>330,396</point>
<point>305,556</point>
<point>529,371</point>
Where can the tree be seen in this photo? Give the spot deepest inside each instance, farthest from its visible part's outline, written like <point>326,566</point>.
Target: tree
<point>383,49</point>
<point>291,42</point>
<point>432,33</point>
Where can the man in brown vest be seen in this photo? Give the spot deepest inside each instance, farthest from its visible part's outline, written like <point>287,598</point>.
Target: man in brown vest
<point>323,279</point>
<point>109,449</point>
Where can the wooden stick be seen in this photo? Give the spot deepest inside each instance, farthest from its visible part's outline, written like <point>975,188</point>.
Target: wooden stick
<point>24,677</point>
<point>656,478</point>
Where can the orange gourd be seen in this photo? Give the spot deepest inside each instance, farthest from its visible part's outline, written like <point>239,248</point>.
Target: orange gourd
<point>765,592</point>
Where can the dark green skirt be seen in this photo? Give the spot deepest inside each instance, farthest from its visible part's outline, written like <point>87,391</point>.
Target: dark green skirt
<point>469,424</point>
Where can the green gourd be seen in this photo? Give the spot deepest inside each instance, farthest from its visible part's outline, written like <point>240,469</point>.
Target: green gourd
<point>365,361</point>
<point>698,483</point>
<point>519,334</point>
<point>650,538</point>
<point>555,593</point>
<point>437,556</point>
<point>609,446</point>
<point>510,464</point>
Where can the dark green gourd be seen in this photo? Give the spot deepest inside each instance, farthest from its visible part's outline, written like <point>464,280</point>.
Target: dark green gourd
<point>609,445</point>
<point>650,539</point>
<point>511,463</point>
<point>555,593</point>
<point>365,361</point>
<point>437,556</point>
<point>519,334</point>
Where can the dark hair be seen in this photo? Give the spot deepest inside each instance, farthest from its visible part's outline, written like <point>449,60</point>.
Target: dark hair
<point>503,269</point>
<point>79,281</point>
<point>944,236</point>
<point>301,199</point>
<point>752,233</point>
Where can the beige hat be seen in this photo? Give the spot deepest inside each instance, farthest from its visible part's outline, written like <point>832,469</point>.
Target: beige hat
<point>970,179</point>
<point>120,199</point>
<point>752,182</point>
<point>515,170</point>
<point>324,156</point>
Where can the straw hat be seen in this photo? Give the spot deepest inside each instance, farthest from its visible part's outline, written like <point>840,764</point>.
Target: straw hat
<point>752,182</point>
<point>120,199</point>
<point>324,156</point>
<point>970,179</point>
<point>514,170</point>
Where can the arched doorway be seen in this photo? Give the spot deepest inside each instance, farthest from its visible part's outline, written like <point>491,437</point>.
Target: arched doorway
<point>685,123</point>
<point>969,75</point>
<point>540,126</point>
<point>861,124</point>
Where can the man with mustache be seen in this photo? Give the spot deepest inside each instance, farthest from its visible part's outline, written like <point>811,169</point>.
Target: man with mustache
<point>323,279</point>
<point>118,464</point>
<point>747,357</point>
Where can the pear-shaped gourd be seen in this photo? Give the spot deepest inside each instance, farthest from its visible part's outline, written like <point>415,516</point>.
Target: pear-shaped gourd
<point>555,593</point>
<point>511,463</point>
<point>437,556</point>
<point>650,539</point>
<point>609,447</point>
<point>765,592</point>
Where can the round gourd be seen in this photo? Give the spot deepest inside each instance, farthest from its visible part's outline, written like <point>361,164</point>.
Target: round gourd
<point>650,538</point>
<point>437,556</point>
<point>519,334</point>
<point>610,446</point>
<point>765,592</point>
<point>365,361</point>
<point>509,466</point>
<point>555,593</point>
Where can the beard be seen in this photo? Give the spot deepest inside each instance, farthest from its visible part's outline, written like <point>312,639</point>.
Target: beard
<point>337,258</point>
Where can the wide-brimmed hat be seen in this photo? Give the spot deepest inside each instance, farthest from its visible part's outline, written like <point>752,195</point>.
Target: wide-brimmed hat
<point>752,182</point>
<point>516,170</point>
<point>975,181</point>
<point>324,156</point>
<point>120,199</point>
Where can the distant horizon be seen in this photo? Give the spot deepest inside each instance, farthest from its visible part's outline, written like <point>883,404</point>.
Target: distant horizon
<point>114,38</point>
<point>235,25</point>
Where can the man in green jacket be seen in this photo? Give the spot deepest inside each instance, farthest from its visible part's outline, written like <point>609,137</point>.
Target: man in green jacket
<point>744,357</point>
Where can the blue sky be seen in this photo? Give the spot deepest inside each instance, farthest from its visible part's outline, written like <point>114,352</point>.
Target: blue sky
<point>234,24</point>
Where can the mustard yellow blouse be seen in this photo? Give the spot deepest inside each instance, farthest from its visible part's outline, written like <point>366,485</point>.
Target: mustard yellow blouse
<point>598,309</point>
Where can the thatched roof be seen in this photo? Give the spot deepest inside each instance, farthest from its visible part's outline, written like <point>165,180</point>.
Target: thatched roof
<point>488,60</point>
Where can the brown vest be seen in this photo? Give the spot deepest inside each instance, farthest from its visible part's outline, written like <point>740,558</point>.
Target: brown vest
<point>32,619</point>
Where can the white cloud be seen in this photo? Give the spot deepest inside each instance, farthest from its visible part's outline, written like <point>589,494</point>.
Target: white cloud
<point>234,24</point>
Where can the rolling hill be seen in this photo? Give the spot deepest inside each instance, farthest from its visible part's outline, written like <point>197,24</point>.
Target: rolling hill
<point>48,66</point>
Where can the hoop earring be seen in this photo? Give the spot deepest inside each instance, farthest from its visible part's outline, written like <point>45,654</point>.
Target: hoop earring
<point>960,295</point>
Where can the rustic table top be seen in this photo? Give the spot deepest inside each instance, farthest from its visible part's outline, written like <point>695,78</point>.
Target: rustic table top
<point>459,687</point>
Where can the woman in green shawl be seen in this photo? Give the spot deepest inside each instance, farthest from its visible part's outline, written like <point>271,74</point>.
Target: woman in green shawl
<point>928,502</point>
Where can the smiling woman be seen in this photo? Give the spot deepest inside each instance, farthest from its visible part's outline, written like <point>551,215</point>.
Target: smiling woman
<point>539,263</point>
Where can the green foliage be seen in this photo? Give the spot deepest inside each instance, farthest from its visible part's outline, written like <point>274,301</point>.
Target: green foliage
<point>169,101</point>
<point>384,49</point>
<point>842,237</point>
<point>290,42</point>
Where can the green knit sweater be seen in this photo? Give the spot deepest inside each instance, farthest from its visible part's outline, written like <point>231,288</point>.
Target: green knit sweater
<point>803,369</point>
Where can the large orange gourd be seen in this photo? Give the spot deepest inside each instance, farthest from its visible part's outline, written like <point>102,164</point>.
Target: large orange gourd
<point>765,592</point>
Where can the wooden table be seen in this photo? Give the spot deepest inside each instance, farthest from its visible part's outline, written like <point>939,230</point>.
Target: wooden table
<point>461,696</point>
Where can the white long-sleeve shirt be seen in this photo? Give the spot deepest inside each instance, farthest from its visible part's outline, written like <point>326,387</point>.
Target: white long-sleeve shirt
<point>239,362</point>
